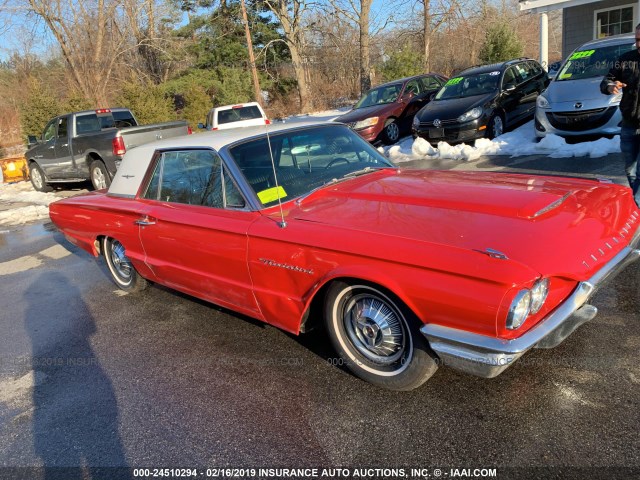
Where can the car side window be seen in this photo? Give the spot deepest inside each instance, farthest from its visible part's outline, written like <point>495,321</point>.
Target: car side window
<point>430,83</point>
<point>62,128</point>
<point>50,130</point>
<point>412,87</point>
<point>510,78</point>
<point>193,177</point>
<point>522,70</point>
<point>534,67</point>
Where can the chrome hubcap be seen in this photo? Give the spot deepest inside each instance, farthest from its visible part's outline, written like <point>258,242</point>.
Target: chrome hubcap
<point>121,263</point>
<point>497,127</point>
<point>99,181</point>
<point>393,132</point>
<point>36,177</point>
<point>375,328</point>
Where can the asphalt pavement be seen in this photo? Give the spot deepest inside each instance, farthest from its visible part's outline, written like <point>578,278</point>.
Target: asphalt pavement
<point>92,378</point>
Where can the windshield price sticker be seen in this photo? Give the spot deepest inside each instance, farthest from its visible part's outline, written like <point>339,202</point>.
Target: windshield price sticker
<point>582,54</point>
<point>271,194</point>
<point>453,81</point>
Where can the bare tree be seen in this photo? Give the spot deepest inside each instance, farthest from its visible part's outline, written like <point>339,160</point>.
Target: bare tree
<point>290,14</point>
<point>358,12</point>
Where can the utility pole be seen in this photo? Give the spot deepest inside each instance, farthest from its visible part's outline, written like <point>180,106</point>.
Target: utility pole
<point>252,60</point>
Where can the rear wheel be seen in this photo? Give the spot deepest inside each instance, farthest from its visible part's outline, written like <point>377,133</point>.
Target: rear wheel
<point>38,180</point>
<point>99,175</point>
<point>377,336</point>
<point>120,267</point>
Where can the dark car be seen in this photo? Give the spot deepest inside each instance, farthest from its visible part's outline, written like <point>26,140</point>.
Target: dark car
<point>384,112</point>
<point>482,102</point>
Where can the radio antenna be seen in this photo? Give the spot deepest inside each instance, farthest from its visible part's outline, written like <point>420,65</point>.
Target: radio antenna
<point>282,223</point>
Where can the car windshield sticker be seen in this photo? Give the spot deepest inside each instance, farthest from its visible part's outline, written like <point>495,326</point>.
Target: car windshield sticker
<point>453,81</point>
<point>582,54</point>
<point>565,75</point>
<point>271,194</point>
<point>494,73</point>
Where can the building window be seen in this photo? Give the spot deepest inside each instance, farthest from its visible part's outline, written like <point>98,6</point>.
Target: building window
<point>614,21</point>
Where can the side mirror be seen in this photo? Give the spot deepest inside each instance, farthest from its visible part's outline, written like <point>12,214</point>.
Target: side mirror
<point>407,97</point>
<point>33,140</point>
<point>432,96</point>
<point>201,126</point>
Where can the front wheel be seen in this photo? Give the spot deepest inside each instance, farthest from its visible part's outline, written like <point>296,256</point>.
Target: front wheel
<point>391,132</point>
<point>495,127</point>
<point>120,267</point>
<point>99,175</point>
<point>38,180</point>
<point>377,336</point>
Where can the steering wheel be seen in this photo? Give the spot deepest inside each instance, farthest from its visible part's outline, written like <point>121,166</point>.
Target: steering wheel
<point>336,160</point>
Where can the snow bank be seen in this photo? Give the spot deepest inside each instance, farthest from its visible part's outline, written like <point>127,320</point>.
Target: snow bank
<point>23,192</point>
<point>521,141</point>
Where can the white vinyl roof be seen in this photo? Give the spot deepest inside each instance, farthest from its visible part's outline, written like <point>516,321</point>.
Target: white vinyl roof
<point>136,161</point>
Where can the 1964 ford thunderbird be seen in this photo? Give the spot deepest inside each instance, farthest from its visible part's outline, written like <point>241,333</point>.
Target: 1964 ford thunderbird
<point>407,269</point>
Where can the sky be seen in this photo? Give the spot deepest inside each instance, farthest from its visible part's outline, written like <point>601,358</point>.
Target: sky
<point>515,143</point>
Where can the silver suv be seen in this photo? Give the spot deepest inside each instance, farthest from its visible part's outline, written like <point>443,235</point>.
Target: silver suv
<point>572,104</point>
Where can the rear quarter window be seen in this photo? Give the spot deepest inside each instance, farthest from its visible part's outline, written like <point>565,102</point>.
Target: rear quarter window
<point>238,114</point>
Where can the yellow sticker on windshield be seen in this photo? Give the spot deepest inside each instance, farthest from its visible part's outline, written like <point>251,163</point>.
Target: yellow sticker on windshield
<point>582,54</point>
<point>565,75</point>
<point>453,81</point>
<point>271,194</point>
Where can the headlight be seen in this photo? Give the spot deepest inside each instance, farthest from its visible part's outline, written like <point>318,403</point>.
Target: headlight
<point>367,122</point>
<point>539,294</point>
<point>542,102</point>
<point>470,115</point>
<point>416,122</point>
<point>519,309</point>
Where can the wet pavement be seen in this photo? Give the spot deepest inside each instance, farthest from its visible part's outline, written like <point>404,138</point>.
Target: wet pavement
<point>93,377</point>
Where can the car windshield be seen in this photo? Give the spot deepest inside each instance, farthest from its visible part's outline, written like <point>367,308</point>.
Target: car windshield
<point>380,95</point>
<point>468,86</point>
<point>594,62</point>
<point>304,160</point>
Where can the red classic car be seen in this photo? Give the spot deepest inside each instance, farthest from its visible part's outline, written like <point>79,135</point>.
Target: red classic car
<point>407,269</point>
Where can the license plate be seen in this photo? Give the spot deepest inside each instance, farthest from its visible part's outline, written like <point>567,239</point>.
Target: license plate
<point>436,132</point>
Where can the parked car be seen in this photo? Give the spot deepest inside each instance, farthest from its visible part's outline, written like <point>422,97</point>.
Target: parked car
<point>573,103</point>
<point>89,145</point>
<point>407,269</point>
<point>482,102</point>
<point>386,111</point>
<point>234,116</point>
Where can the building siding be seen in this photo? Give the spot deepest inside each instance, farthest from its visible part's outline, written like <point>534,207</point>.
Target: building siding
<point>578,23</point>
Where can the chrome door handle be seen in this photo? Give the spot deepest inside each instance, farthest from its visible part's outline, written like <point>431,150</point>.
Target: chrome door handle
<point>65,145</point>
<point>52,147</point>
<point>143,222</point>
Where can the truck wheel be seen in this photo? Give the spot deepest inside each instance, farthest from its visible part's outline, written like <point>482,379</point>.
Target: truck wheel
<point>99,175</point>
<point>122,271</point>
<point>38,180</point>
<point>376,336</point>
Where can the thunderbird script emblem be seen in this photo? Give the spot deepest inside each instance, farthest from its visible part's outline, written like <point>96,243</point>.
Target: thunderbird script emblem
<point>437,122</point>
<point>578,105</point>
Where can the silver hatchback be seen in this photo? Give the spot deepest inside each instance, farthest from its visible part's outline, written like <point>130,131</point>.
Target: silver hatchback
<point>572,104</point>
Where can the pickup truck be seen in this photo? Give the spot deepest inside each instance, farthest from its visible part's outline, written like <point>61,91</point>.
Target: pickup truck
<point>233,116</point>
<point>89,145</point>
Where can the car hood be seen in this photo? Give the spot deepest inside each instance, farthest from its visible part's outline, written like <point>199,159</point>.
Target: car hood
<point>366,112</point>
<point>576,91</point>
<point>551,225</point>
<point>452,108</point>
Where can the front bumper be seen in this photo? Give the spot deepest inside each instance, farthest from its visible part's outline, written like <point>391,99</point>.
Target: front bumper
<point>566,121</point>
<point>489,356</point>
<point>451,131</point>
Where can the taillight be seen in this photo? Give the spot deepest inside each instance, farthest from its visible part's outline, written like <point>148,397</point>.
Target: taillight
<point>189,130</point>
<point>118,147</point>
<point>267,121</point>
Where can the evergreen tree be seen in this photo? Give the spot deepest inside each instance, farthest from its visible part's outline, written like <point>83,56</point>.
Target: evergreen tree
<point>40,106</point>
<point>501,43</point>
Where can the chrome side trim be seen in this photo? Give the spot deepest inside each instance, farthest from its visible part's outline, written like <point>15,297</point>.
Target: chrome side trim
<point>486,356</point>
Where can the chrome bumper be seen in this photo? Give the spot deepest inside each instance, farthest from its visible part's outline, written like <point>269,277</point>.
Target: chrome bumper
<point>489,356</point>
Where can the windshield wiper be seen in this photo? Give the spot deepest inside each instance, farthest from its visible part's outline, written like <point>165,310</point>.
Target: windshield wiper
<point>357,173</point>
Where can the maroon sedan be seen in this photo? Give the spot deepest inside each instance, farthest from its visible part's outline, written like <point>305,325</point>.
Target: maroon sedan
<point>388,109</point>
